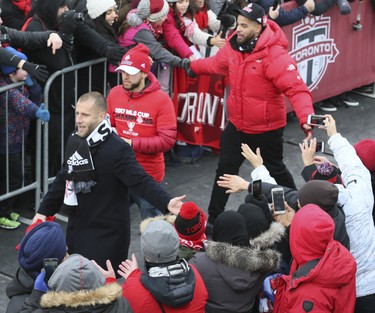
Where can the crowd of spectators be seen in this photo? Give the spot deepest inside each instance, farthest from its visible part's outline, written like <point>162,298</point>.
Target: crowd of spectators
<point>318,254</point>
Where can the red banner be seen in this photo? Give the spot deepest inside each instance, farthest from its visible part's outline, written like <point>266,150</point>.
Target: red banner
<point>332,57</point>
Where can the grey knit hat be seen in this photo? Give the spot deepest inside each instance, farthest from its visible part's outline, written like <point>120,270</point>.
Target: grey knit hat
<point>76,273</point>
<point>160,242</point>
<point>153,10</point>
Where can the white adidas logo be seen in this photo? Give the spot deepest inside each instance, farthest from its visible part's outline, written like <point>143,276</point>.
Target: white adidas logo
<point>76,159</point>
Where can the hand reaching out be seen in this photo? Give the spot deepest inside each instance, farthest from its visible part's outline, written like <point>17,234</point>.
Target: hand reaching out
<point>109,273</point>
<point>308,151</point>
<point>256,160</point>
<point>233,183</point>
<point>128,266</point>
<point>330,125</point>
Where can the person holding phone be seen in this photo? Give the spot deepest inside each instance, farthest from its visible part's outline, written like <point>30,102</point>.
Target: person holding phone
<point>260,72</point>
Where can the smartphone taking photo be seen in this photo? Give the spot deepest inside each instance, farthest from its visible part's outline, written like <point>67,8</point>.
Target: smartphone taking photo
<point>49,265</point>
<point>320,146</point>
<point>278,200</point>
<point>256,188</point>
<point>316,120</point>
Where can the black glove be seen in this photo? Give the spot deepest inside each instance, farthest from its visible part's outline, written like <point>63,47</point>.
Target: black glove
<point>115,54</point>
<point>68,22</point>
<point>39,72</point>
<point>185,64</point>
<point>68,41</point>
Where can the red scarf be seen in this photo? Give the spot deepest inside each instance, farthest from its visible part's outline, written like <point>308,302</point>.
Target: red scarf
<point>23,5</point>
<point>155,30</point>
<point>202,18</point>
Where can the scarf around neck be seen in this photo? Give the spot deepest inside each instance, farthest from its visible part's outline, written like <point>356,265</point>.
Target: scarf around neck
<point>80,169</point>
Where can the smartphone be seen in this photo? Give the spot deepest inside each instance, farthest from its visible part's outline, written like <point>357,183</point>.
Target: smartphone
<point>320,146</point>
<point>278,200</point>
<point>256,188</point>
<point>275,4</point>
<point>316,120</point>
<point>49,265</point>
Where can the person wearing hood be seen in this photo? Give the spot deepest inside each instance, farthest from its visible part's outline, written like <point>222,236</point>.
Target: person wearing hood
<point>232,270</point>
<point>144,117</point>
<point>42,240</point>
<point>169,284</point>
<point>260,72</point>
<point>76,284</point>
<point>323,272</point>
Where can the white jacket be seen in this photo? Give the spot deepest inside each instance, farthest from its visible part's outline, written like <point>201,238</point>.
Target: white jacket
<point>357,200</point>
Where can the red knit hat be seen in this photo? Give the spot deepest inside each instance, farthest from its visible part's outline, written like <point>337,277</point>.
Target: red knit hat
<point>136,60</point>
<point>366,151</point>
<point>191,222</point>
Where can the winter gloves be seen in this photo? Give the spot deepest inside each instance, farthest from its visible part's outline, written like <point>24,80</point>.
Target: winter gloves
<point>115,54</point>
<point>40,284</point>
<point>42,113</point>
<point>39,72</point>
<point>185,64</point>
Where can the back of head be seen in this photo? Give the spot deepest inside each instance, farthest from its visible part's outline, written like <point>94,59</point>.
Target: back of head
<point>310,232</point>
<point>46,240</point>
<point>160,242</point>
<point>324,171</point>
<point>230,227</point>
<point>320,192</point>
<point>191,222</point>
<point>366,152</point>
<point>95,8</point>
<point>76,273</point>
<point>6,69</point>
<point>256,222</point>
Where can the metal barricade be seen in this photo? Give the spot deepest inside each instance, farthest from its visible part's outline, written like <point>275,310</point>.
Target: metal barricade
<point>42,179</point>
<point>35,183</point>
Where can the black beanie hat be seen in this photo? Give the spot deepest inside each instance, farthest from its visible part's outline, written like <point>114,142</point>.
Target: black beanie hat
<point>230,227</point>
<point>320,192</point>
<point>256,222</point>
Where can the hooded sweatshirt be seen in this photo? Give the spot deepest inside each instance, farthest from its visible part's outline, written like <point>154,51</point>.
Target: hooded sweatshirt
<point>322,276</point>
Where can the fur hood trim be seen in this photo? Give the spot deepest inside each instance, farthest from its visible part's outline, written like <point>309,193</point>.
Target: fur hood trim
<point>267,239</point>
<point>103,295</point>
<point>244,258</point>
<point>170,218</point>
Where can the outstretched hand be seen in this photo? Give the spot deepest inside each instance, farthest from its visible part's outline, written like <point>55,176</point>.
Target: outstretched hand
<point>308,149</point>
<point>233,183</point>
<point>175,204</point>
<point>127,267</point>
<point>256,160</point>
<point>330,125</point>
<point>109,273</point>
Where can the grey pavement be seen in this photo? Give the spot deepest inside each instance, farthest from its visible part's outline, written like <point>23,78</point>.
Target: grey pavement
<point>195,180</point>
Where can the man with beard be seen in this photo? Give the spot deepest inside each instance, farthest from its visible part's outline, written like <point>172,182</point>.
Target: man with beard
<point>144,117</point>
<point>98,170</point>
<point>260,73</point>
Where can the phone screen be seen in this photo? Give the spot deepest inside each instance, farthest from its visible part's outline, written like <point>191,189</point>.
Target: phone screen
<point>319,146</point>
<point>316,120</point>
<point>49,266</point>
<point>278,200</point>
<point>257,189</point>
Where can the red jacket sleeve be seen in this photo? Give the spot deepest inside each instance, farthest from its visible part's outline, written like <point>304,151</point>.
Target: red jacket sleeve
<point>217,64</point>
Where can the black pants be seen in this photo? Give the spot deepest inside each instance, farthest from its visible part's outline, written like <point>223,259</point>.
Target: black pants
<point>15,180</point>
<point>365,304</point>
<point>231,159</point>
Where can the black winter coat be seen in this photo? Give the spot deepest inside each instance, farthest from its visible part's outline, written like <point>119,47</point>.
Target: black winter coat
<point>99,227</point>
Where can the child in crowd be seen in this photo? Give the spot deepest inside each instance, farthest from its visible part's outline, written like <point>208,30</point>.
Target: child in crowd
<point>17,107</point>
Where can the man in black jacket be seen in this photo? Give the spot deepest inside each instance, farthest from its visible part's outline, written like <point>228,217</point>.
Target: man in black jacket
<point>98,170</point>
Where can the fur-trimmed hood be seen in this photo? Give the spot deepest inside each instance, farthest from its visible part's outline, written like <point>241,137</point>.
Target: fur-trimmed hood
<point>257,258</point>
<point>168,218</point>
<point>100,296</point>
